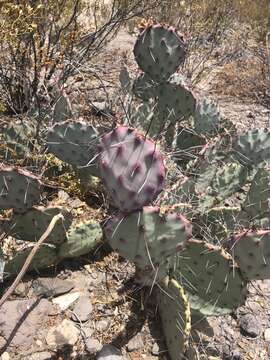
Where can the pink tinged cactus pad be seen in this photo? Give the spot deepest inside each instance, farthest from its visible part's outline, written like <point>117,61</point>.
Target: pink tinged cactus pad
<point>146,237</point>
<point>131,168</point>
<point>251,250</point>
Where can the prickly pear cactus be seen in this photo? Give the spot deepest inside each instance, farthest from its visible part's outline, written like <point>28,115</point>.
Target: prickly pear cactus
<point>175,315</point>
<point>46,256</point>
<point>31,225</point>
<point>211,279</point>
<point>62,109</point>
<point>252,147</point>
<point>19,189</point>
<point>207,118</point>
<point>144,87</point>
<point>159,51</point>
<point>257,203</point>
<point>175,102</point>
<point>81,239</point>
<point>146,237</point>
<point>251,250</point>
<point>131,167</point>
<point>74,142</point>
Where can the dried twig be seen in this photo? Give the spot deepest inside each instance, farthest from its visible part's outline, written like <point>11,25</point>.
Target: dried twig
<point>30,258</point>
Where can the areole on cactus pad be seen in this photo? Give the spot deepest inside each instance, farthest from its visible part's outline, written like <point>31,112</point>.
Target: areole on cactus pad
<point>132,169</point>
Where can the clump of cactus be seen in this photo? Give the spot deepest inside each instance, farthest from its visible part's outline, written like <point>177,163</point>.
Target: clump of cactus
<point>199,236</point>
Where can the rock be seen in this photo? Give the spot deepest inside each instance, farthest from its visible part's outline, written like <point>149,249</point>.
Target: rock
<point>22,320</point>
<point>48,287</point>
<point>135,343</point>
<point>20,290</point>
<point>82,309</point>
<point>5,356</point>
<point>43,355</point>
<point>65,301</point>
<point>155,349</point>
<point>64,334</point>
<point>102,325</point>
<point>92,346</point>
<point>267,334</point>
<point>110,352</point>
<point>250,325</point>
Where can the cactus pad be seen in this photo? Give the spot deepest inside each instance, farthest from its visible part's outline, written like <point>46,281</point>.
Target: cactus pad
<point>175,315</point>
<point>81,239</point>
<point>19,189</point>
<point>251,251</point>
<point>159,52</point>
<point>45,257</point>
<point>212,281</point>
<point>175,102</point>
<point>146,237</point>
<point>144,87</point>
<point>257,203</point>
<point>131,168</point>
<point>206,118</point>
<point>74,142</point>
<point>31,225</point>
<point>252,148</point>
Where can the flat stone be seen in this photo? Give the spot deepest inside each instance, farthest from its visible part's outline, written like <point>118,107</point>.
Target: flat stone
<point>64,334</point>
<point>135,343</point>
<point>23,320</point>
<point>48,287</point>
<point>65,301</point>
<point>250,325</point>
<point>82,309</point>
<point>110,352</point>
<point>267,334</point>
<point>92,346</point>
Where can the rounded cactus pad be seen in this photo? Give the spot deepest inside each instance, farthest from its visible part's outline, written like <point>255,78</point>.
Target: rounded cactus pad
<point>19,189</point>
<point>146,237</point>
<point>159,51</point>
<point>144,87</point>
<point>175,315</point>
<point>253,147</point>
<point>31,225</point>
<point>74,142</point>
<point>131,168</point>
<point>81,239</point>
<point>207,118</point>
<point>212,281</point>
<point>257,202</point>
<point>251,250</point>
<point>176,102</point>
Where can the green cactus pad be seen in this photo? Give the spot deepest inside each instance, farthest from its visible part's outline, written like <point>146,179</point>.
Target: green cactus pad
<point>17,137</point>
<point>207,118</point>
<point>19,189</point>
<point>150,276</point>
<point>159,52</point>
<point>175,102</point>
<point>146,237</point>
<point>74,142</point>
<point>62,109</point>
<point>81,239</point>
<point>257,203</point>
<point>210,277</point>
<point>144,87</point>
<point>31,225</point>
<point>228,180</point>
<point>143,117</point>
<point>251,250</point>
<point>175,315</point>
<point>188,140</point>
<point>46,256</point>
<point>218,223</point>
<point>253,147</point>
